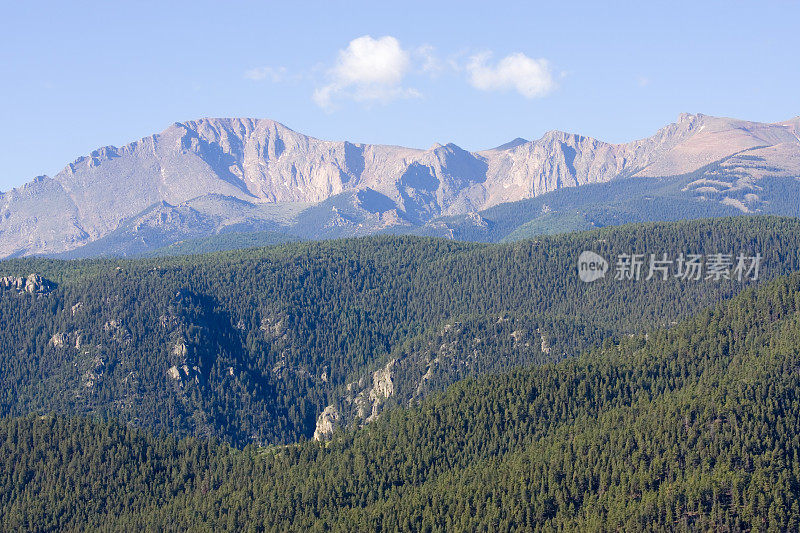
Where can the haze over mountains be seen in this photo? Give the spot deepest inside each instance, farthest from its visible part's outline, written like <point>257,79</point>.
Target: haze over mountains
<point>213,176</point>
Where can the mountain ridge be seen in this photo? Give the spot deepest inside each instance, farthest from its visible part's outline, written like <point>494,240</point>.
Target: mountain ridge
<point>263,162</point>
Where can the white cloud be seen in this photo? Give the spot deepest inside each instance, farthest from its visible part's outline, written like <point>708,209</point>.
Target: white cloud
<point>430,63</point>
<point>532,78</point>
<point>261,73</point>
<point>367,70</point>
<point>643,81</point>
<point>367,60</point>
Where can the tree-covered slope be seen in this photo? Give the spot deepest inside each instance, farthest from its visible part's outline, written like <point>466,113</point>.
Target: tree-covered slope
<point>253,345</point>
<point>691,428</point>
<point>720,189</point>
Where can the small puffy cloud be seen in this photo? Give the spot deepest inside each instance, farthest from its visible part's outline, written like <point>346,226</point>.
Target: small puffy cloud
<point>372,61</point>
<point>262,73</point>
<point>643,81</point>
<point>532,78</point>
<point>367,70</point>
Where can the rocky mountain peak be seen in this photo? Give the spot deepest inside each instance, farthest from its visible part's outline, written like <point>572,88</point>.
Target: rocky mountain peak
<point>259,166</point>
<point>511,144</point>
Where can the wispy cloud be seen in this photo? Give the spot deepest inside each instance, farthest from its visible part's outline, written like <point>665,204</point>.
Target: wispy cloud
<point>273,74</point>
<point>368,70</point>
<point>429,61</point>
<point>532,78</point>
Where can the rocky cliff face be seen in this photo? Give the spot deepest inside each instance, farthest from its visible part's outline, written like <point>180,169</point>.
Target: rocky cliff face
<point>255,166</point>
<point>32,284</point>
<point>439,358</point>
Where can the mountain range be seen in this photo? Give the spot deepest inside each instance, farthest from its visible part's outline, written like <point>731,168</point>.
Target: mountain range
<point>219,177</point>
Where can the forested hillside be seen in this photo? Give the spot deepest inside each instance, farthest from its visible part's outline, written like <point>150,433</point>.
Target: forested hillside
<point>691,428</point>
<point>253,345</point>
<point>624,201</point>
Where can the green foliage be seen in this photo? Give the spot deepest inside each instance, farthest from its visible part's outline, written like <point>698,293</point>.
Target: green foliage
<point>691,428</point>
<point>223,242</point>
<point>251,345</point>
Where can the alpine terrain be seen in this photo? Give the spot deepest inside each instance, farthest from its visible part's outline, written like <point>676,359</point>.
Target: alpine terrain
<point>220,177</point>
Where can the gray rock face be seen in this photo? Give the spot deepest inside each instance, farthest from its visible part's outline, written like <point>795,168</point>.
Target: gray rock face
<point>326,423</point>
<point>32,284</point>
<point>218,173</point>
<point>442,356</point>
<point>364,402</point>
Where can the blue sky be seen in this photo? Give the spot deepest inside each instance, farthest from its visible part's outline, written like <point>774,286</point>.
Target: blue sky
<point>77,76</point>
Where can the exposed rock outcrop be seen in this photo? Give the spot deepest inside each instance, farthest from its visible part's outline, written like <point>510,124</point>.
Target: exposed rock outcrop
<point>326,423</point>
<point>363,403</point>
<point>58,340</point>
<point>370,400</point>
<point>448,353</point>
<point>32,284</point>
<point>95,373</point>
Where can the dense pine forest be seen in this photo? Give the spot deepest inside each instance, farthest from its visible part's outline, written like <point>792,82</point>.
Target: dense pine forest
<point>250,346</point>
<point>691,428</point>
<point>463,386</point>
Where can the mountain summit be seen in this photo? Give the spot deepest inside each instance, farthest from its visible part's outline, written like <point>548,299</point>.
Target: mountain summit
<point>210,175</point>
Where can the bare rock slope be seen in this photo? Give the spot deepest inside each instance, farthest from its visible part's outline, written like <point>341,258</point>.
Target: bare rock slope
<point>246,171</point>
